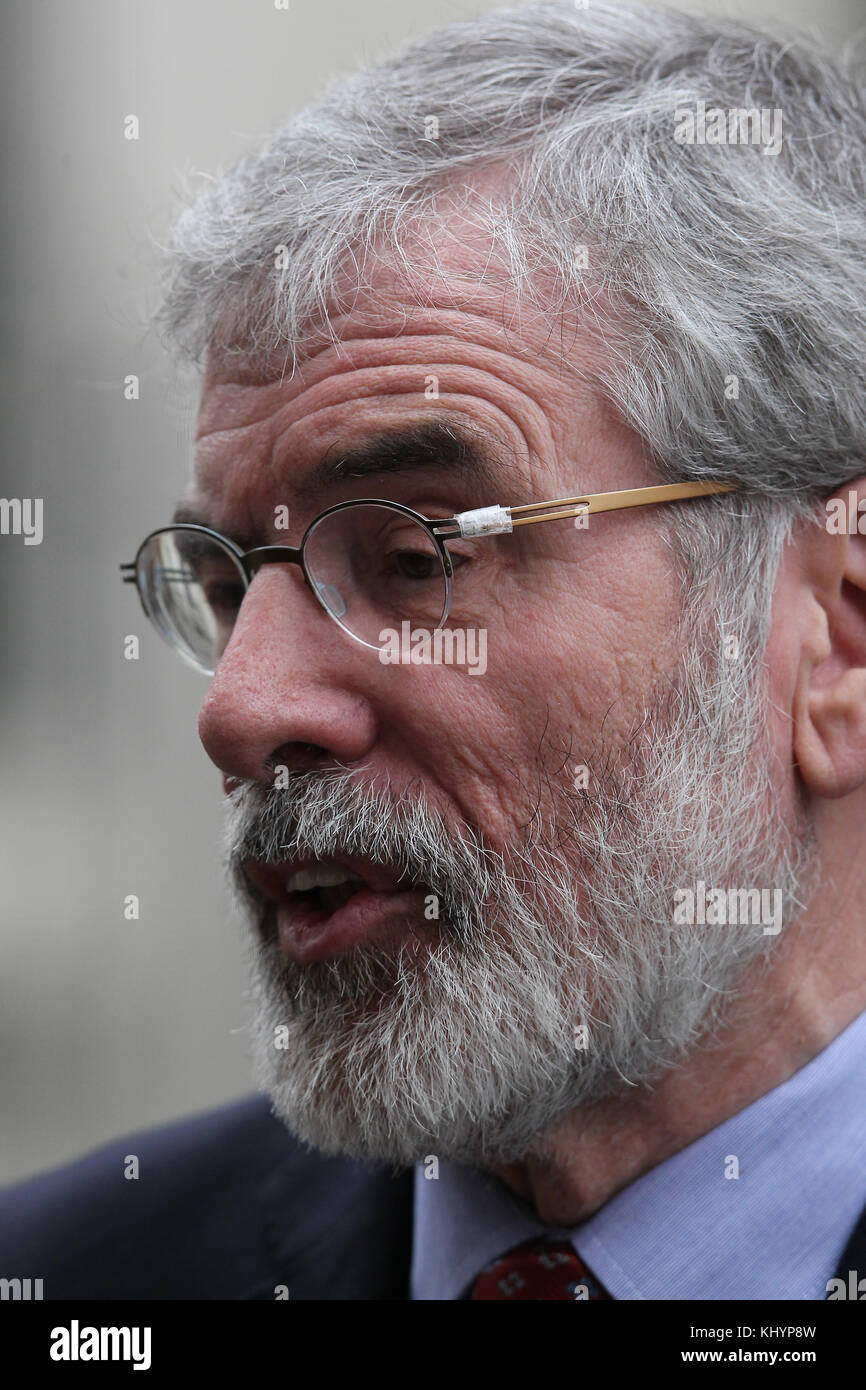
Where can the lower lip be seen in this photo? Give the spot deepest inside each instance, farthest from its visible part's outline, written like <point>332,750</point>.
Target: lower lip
<point>307,935</point>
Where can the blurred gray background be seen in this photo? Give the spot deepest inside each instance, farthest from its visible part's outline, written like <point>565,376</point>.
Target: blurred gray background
<point>108,1025</point>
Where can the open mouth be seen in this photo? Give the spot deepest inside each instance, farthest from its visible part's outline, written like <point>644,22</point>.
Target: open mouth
<point>325,906</point>
<point>323,888</point>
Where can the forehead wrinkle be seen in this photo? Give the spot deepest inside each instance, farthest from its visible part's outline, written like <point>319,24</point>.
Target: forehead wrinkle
<point>386,313</point>
<point>471,331</point>
<point>389,358</point>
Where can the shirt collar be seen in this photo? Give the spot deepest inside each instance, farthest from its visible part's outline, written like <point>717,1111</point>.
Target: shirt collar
<point>685,1229</point>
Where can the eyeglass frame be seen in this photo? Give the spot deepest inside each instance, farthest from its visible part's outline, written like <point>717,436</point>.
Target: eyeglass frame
<point>470,525</point>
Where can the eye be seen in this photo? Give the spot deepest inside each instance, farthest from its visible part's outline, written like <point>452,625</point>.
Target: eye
<point>415,564</point>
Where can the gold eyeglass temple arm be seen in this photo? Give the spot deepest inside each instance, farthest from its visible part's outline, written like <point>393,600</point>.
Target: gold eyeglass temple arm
<point>614,501</point>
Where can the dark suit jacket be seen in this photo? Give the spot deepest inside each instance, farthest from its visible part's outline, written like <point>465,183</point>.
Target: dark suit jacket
<point>227,1205</point>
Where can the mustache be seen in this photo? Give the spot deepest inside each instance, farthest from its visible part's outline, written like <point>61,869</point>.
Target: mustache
<point>322,814</point>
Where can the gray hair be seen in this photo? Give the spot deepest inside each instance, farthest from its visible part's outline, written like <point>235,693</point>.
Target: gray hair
<point>707,265</point>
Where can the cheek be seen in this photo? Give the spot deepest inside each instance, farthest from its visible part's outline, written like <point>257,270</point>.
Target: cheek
<point>563,671</point>
<point>781,662</point>
<point>596,643</point>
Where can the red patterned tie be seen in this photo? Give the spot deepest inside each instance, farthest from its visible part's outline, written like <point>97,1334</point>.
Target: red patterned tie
<point>538,1270</point>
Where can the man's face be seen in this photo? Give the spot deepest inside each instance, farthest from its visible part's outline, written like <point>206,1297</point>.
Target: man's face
<point>445,1007</point>
<point>579,622</point>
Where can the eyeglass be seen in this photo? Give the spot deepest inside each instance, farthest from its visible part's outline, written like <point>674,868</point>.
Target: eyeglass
<point>371,564</point>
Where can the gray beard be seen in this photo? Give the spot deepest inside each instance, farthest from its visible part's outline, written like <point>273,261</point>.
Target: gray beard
<point>466,1047</point>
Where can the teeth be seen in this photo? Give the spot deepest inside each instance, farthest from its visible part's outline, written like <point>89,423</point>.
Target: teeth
<point>319,876</point>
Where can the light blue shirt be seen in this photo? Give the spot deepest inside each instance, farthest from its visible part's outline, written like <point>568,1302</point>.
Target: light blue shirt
<point>685,1229</point>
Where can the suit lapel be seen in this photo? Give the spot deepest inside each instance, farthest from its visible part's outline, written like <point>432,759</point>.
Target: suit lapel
<point>335,1229</point>
<point>854,1255</point>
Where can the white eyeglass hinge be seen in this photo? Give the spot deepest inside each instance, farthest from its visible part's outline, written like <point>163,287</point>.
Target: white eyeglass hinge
<point>485,521</point>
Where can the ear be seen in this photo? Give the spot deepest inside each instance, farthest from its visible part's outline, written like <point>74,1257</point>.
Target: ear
<point>830,697</point>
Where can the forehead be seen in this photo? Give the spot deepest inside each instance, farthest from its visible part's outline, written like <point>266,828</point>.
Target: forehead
<point>437,351</point>
<point>452,260</point>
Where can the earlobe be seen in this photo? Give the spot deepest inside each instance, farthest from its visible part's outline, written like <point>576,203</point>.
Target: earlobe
<point>830,737</point>
<point>830,699</point>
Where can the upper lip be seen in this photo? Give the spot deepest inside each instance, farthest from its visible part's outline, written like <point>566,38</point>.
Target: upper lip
<point>270,878</point>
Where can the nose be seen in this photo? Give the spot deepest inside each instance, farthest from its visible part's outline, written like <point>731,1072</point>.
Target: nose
<point>282,693</point>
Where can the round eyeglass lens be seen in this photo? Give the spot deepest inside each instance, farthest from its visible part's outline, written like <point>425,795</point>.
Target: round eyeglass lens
<point>192,587</point>
<point>373,567</point>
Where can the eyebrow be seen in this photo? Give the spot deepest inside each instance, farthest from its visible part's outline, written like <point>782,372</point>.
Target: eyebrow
<point>467,453</point>
<point>441,444</point>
